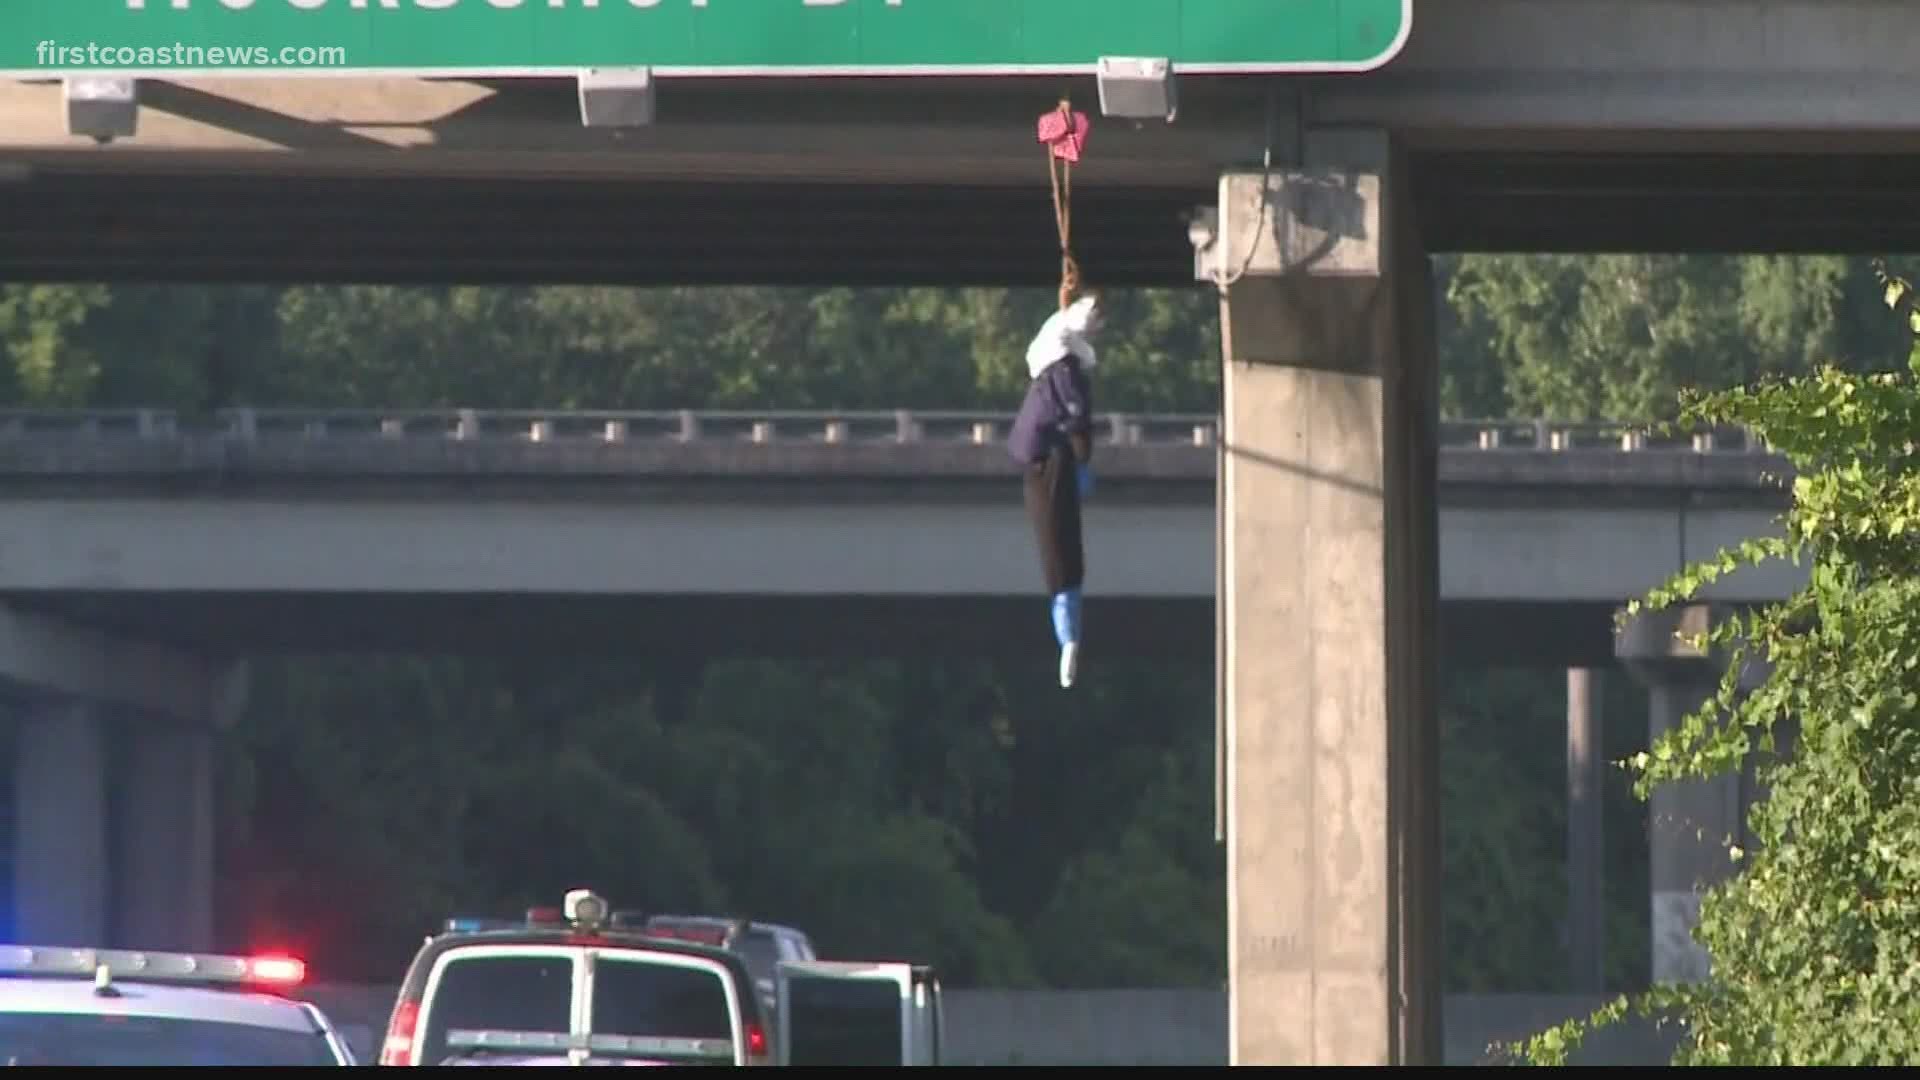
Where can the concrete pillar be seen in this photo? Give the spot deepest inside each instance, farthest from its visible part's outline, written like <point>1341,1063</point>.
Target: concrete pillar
<point>1690,823</point>
<point>1328,612</point>
<point>60,874</point>
<point>164,818</point>
<point>1586,851</point>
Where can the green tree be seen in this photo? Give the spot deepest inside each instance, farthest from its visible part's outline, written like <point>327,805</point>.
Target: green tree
<point>1148,906</point>
<point>1815,943</point>
<point>672,348</point>
<point>1617,337</point>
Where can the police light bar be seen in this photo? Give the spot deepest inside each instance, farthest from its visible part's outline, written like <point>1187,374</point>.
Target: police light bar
<point>561,1042</point>
<point>580,907</point>
<point>471,924</point>
<point>699,935</point>
<point>150,966</point>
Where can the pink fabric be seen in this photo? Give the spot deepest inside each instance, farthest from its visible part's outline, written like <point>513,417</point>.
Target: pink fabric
<point>1066,144</point>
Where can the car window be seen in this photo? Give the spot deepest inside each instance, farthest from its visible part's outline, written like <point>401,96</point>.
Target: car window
<point>761,953</point>
<point>498,993</point>
<point>847,1021</point>
<point>80,1039</point>
<point>635,997</point>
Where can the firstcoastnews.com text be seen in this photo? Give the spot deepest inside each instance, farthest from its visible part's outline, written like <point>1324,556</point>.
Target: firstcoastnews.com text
<point>180,55</point>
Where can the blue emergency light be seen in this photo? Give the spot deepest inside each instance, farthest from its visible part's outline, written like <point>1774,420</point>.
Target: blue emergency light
<point>474,924</point>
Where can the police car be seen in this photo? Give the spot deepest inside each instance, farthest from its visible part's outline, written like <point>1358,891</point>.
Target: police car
<point>80,1006</point>
<point>580,984</point>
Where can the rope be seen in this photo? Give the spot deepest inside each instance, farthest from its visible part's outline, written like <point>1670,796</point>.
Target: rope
<point>1061,173</point>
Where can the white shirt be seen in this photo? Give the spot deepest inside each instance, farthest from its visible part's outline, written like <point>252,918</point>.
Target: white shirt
<point>1063,332</point>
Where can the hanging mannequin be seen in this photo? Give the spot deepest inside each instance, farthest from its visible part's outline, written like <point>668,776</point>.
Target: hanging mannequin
<point>1052,439</point>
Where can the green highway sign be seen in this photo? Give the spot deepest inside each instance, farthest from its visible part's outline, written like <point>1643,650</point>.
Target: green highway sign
<point>473,38</point>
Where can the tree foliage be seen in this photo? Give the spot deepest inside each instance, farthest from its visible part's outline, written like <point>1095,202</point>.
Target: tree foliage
<point>1815,943</point>
<point>1617,337</point>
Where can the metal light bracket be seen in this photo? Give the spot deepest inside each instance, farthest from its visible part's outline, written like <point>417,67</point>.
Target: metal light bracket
<point>616,97</point>
<point>101,108</point>
<point>1137,88</point>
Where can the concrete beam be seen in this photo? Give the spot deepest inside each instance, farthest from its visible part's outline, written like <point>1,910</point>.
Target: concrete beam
<point>624,542</point>
<point>1666,644</point>
<point>1600,75</point>
<point>51,657</point>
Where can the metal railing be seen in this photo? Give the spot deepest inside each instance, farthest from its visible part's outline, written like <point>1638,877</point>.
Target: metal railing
<point>899,426</point>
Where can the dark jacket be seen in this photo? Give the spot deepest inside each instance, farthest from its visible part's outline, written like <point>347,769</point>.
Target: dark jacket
<point>1058,411</point>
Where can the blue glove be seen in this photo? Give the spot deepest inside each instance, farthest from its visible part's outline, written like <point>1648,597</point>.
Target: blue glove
<point>1085,476</point>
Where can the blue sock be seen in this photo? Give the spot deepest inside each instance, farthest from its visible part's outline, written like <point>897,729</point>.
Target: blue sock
<point>1066,616</point>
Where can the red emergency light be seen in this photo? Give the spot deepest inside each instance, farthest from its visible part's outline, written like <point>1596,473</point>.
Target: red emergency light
<point>277,969</point>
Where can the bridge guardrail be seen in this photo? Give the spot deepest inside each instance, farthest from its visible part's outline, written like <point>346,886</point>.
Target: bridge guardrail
<point>899,426</point>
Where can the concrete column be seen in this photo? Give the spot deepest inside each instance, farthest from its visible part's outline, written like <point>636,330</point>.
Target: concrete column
<point>1690,823</point>
<point>1586,852</point>
<point>1328,613</point>
<point>60,875</point>
<point>165,823</point>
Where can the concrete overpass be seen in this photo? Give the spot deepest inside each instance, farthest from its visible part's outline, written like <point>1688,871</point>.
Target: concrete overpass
<point>518,530</point>
<point>1566,125</point>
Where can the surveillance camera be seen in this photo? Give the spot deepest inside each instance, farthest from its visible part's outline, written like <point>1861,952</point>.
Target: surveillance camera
<point>1202,228</point>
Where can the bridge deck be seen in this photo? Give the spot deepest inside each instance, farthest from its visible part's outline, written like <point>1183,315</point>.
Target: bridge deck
<point>940,456</point>
<point>796,533</point>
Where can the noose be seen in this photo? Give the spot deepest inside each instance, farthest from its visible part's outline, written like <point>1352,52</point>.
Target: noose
<point>1061,173</point>
<point>1064,132</point>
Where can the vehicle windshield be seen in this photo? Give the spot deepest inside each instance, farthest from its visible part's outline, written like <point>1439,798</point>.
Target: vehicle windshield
<point>83,1039</point>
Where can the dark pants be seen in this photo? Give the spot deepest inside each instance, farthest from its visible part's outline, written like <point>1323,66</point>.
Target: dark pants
<point>1053,506</point>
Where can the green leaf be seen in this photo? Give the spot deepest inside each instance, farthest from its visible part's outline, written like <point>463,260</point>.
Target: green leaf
<point>1815,937</point>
